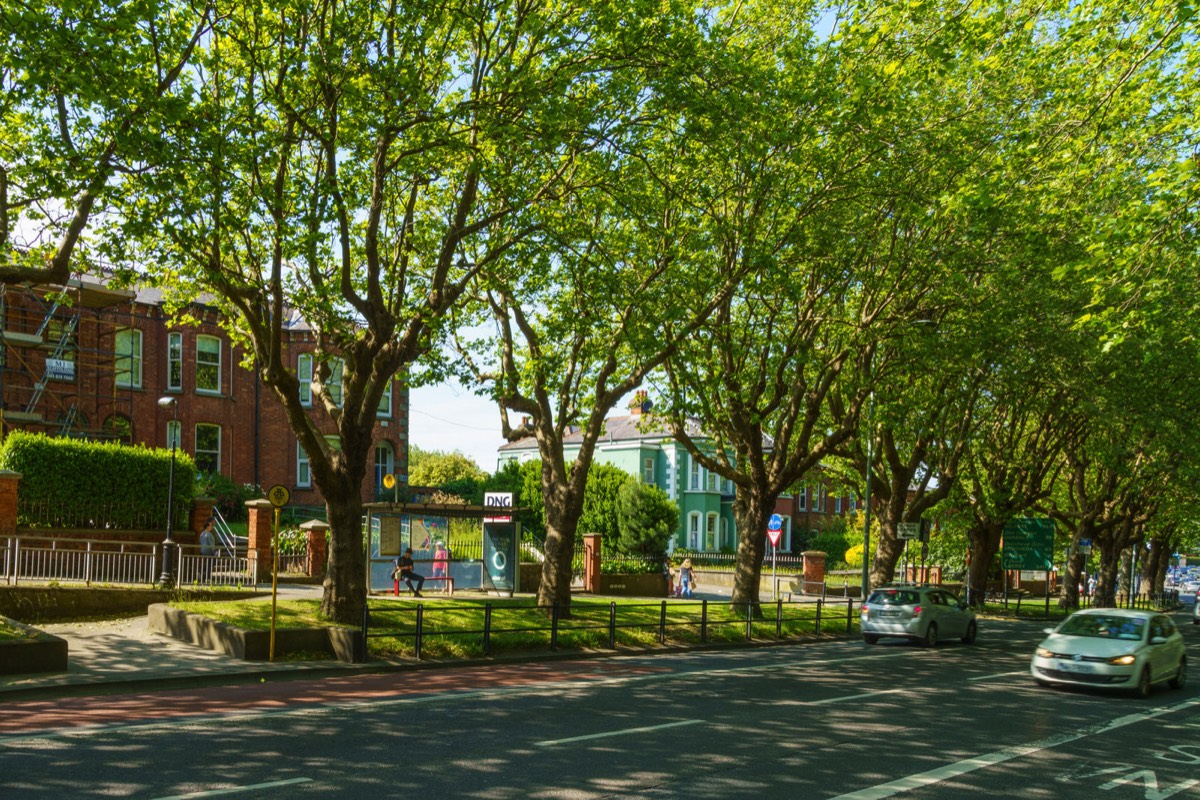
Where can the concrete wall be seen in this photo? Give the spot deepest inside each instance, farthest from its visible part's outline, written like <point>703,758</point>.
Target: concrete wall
<point>32,604</point>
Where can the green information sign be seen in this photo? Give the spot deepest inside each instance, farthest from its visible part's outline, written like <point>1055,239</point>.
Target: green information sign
<point>1028,544</point>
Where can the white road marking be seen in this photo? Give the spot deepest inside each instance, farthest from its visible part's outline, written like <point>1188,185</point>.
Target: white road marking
<point>236,789</point>
<point>998,675</point>
<point>949,771</point>
<point>847,697</point>
<point>624,732</point>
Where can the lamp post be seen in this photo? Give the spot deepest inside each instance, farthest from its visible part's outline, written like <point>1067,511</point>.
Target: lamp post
<point>167,579</point>
<point>866,580</point>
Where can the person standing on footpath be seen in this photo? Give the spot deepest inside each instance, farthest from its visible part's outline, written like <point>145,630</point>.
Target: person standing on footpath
<point>687,578</point>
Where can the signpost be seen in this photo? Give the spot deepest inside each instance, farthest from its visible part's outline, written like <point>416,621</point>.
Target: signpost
<point>774,530</point>
<point>1028,545</point>
<point>906,532</point>
<point>279,496</point>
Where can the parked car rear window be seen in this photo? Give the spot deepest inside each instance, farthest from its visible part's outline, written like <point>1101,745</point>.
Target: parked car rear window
<point>893,597</point>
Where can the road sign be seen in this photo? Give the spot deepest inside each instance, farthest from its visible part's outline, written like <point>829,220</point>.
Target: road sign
<point>278,495</point>
<point>775,523</point>
<point>1028,543</point>
<point>1085,546</point>
<point>389,481</point>
<point>773,534</point>
<point>908,530</point>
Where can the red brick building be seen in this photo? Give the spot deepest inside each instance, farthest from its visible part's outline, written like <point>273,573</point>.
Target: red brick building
<point>90,361</point>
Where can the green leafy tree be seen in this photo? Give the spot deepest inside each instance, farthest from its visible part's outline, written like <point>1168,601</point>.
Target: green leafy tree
<point>453,473</point>
<point>646,518</point>
<point>600,502</point>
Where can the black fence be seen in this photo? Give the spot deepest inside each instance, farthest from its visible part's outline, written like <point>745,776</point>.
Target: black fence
<point>420,621</point>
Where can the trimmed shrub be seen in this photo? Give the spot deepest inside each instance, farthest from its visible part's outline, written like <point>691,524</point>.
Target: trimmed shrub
<point>98,484</point>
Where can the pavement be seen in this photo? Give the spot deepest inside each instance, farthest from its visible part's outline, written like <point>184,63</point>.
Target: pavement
<point>125,655</point>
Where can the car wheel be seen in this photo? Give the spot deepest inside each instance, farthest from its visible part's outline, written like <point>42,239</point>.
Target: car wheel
<point>1043,684</point>
<point>969,636</point>
<point>1142,690</point>
<point>870,638</point>
<point>931,635</point>
<point>1180,677</point>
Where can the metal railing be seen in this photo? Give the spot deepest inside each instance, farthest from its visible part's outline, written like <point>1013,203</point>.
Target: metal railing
<point>97,561</point>
<point>693,617</point>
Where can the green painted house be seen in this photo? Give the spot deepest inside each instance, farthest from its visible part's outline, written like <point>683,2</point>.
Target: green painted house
<point>638,446</point>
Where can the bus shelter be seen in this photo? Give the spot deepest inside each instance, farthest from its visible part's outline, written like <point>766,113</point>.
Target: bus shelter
<point>393,527</point>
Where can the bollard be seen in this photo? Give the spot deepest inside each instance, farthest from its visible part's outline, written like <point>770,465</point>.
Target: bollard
<point>420,627</point>
<point>612,626</point>
<point>487,628</point>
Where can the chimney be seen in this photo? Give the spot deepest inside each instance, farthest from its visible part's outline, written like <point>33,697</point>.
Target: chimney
<point>636,404</point>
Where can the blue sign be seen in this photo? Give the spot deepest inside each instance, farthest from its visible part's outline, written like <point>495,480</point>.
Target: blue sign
<point>775,523</point>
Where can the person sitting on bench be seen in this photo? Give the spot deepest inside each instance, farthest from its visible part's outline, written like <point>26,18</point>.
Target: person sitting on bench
<point>404,569</point>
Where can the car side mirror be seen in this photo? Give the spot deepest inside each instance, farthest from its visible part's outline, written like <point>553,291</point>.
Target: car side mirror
<point>1158,640</point>
<point>1047,630</point>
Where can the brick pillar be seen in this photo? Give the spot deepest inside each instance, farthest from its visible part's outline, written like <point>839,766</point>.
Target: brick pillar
<point>201,510</point>
<point>318,548</point>
<point>814,571</point>
<point>259,536</point>
<point>591,561</point>
<point>9,483</point>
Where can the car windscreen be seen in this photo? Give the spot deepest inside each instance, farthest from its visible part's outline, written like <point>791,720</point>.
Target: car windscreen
<point>1103,626</point>
<point>893,597</point>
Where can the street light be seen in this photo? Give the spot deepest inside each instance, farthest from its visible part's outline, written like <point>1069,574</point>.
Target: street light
<point>167,579</point>
<point>867,499</point>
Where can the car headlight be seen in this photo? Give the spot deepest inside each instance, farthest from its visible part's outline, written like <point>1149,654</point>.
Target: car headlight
<point>1044,653</point>
<point>1123,661</point>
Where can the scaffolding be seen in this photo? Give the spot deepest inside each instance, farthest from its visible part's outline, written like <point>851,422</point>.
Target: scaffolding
<point>59,362</point>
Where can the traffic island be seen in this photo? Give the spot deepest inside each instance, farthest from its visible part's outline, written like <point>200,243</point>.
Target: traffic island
<point>25,650</point>
<point>344,644</point>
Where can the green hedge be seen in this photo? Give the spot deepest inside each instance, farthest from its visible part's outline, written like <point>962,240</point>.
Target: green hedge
<point>124,485</point>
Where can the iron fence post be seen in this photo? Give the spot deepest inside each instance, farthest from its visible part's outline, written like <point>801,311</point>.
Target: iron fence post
<point>749,620</point>
<point>420,627</point>
<point>662,624</point>
<point>779,618</point>
<point>850,613</point>
<point>487,628</point>
<point>554,627</point>
<point>820,605</point>
<point>366,621</point>
<point>612,626</point>
<point>703,621</point>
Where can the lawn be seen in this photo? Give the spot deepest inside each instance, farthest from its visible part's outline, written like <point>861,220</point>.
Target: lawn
<point>454,628</point>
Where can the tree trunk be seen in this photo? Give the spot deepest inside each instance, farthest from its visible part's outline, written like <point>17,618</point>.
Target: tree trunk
<point>888,549</point>
<point>750,512</point>
<point>1072,577</point>
<point>345,580</point>
<point>985,543</point>
<point>554,589</point>
<point>1106,581</point>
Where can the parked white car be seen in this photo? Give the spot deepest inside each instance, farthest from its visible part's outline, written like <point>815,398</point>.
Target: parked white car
<point>1110,648</point>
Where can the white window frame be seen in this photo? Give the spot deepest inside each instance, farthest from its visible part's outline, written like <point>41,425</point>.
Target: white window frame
<point>174,434</point>
<point>206,364</point>
<point>694,530</point>
<point>648,470</point>
<point>385,403</point>
<point>724,537</point>
<point>696,475</point>
<point>711,529</point>
<point>174,361</point>
<point>837,504</point>
<point>337,366</point>
<point>196,444</point>
<point>388,465</point>
<point>304,374</point>
<point>802,499</point>
<point>303,471</point>
<point>713,484</point>
<point>128,374</point>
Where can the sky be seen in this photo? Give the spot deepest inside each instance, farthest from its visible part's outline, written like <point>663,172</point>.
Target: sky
<point>448,417</point>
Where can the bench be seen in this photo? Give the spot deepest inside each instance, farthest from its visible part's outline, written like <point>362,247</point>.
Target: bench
<point>448,588</point>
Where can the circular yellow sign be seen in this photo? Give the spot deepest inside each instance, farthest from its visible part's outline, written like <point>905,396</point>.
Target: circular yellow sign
<point>389,481</point>
<point>278,495</point>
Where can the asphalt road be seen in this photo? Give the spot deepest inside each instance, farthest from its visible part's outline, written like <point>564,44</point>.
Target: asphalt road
<point>830,720</point>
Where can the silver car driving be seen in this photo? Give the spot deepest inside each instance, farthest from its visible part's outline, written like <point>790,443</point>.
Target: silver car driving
<point>923,614</point>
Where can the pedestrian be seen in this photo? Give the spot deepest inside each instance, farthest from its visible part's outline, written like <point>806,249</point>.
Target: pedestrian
<point>208,549</point>
<point>441,564</point>
<point>687,578</point>
<point>669,574</point>
<point>404,571</point>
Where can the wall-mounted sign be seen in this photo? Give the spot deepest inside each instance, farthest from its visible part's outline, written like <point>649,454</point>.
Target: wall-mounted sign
<point>59,369</point>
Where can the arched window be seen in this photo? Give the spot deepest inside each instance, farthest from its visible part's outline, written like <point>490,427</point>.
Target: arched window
<point>385,461</point>
<point>118,428</point>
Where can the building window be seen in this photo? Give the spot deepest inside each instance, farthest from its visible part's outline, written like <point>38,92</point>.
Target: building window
<point>837,504</point>
<point>304,364</point>
<point>714,482</point>
<point>208,364</point>
<point>385,402</point>
<point>207,453</point>
<point>648,470</point>
<point>694,530</point>
<point>334,383</point>
<point>174,361</point>
<point>694,483</point>
<point>118,428</point>
<point>174,435</point>
<point>710,532</point>
<point>726,486</point>
<point>129,358</point>
<point>725,538</point>
<point>385,461</point>
<point>853,503</point>
<point>303,474</point>
<point>802,499</point>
